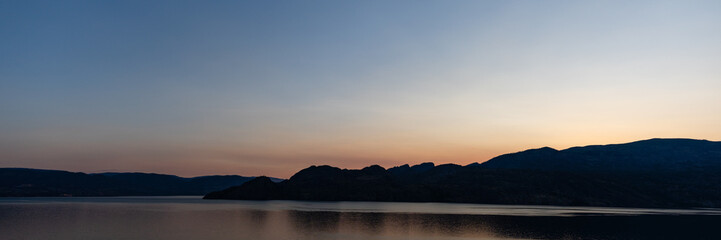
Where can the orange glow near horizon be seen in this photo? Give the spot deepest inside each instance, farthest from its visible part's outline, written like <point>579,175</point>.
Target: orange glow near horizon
<point>280,162</point>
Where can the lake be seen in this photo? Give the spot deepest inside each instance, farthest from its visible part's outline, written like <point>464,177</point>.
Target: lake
<point>190,217</point>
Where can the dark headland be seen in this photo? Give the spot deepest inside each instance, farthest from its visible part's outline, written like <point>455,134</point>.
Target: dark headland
<point>26,182</point>
<point>659,173</point>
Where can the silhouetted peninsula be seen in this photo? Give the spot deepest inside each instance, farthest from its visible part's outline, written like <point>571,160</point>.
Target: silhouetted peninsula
<point>668,173</point>
<point>26,182</point>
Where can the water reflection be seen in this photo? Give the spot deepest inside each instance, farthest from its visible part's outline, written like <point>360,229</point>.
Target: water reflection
<point>180,219</point>
<point>445,226</point>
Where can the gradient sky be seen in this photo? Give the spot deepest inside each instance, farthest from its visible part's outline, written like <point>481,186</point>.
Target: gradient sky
<point>271,87</point>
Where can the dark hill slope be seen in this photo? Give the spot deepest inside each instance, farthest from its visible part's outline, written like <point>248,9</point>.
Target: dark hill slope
<point>24,182</point>
<point>647,156</point>
<point>675,173</point>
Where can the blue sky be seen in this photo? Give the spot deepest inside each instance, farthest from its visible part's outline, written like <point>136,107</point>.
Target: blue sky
<point>270,87</point>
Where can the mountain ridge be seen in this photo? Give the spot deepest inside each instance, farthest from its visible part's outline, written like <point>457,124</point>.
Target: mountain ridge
<point>29,182</point>
<point>648,173</point>
<point>656,154</point>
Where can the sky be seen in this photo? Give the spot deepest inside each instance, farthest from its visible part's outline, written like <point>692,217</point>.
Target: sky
<point>271,87</point>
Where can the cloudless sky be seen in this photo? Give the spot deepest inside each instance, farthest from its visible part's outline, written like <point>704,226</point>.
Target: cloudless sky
<point>271,87</point>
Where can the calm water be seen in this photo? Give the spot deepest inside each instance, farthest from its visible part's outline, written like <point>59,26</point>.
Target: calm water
<point>180,218</point>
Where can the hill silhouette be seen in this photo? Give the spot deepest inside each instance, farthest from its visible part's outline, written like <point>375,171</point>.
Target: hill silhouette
<point>668,173</point>
<point>26,182</point>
